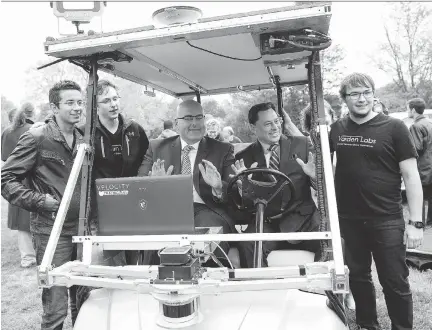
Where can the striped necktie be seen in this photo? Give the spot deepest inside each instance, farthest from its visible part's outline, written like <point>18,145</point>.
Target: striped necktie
<point>186,163</point>
<point>274,158</point>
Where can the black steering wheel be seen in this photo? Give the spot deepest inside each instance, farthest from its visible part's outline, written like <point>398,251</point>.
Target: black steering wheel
<point>263,192</point>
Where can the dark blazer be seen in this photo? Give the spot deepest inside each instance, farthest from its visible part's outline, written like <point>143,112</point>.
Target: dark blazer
<point>43,156</point>
<point>18,218</point>
<point>299,218</point>
<point>221,155</point>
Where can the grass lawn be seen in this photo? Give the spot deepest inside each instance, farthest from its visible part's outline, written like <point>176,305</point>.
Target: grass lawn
<point>21,306</point>
<point>21,303</point>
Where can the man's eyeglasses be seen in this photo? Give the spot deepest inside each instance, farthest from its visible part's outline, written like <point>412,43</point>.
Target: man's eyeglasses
<point>355,95</point>
<point>278,121</point>
<point>106,101</point>
<point>191,118</point>
<point>72,103</point>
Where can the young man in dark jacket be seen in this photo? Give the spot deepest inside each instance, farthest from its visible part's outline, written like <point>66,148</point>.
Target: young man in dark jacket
<point>421,132</point>
<point>45,155</point>
<point>120,146</point>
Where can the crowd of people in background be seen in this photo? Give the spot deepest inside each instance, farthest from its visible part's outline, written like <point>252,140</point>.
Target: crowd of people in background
<point>38,160</point>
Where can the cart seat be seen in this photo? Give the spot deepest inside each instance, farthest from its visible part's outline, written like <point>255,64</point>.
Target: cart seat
<point>277,258</point>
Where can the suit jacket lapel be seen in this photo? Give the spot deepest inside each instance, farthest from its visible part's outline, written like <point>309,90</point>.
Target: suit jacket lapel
<point>202,153</point>
<point>258,155</point>
<point>175,153</point>
<point>285,148</point>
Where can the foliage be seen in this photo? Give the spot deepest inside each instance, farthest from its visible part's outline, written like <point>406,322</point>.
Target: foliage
<point>333,68</point>
<point>407,52</point>
<point>39,82</point>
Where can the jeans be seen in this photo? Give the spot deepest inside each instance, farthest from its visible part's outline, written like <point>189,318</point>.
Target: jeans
<point>427,195</point>
<point>55,299</point>
<point>25,247</point>
<point>382,240</point>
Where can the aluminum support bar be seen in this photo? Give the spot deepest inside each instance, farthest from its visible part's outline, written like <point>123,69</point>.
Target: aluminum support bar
<point>187,239</point>
<point>332,206</point>
<point>75,268</point>
<point>204,287</point>
<point>278,272</point>
<point>62,211</point>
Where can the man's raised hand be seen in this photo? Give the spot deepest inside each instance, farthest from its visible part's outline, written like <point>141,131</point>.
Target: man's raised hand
<point>210,174</point>
<point>238,167</point>
<point>158,169</point>
<point>309,167</point>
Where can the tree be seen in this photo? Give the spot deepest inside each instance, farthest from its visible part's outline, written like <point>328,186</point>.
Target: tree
<point>332,68</point>
<point>212,107</point>
<point>407,51</point>
<point>39,82</point>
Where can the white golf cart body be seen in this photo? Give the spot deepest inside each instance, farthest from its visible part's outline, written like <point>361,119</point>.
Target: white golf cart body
<point>168,60</point>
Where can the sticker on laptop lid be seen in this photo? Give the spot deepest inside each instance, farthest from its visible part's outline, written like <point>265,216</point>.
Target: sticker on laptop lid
<point>119,189</point>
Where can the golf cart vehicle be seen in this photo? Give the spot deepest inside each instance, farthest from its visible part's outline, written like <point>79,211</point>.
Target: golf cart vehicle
<point>251,51</point>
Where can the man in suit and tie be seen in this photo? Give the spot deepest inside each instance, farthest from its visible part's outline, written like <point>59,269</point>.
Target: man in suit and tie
<point>207,159</point>
<point>289,155</point>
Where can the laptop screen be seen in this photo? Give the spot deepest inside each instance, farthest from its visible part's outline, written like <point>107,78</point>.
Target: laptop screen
<point>145,205</point>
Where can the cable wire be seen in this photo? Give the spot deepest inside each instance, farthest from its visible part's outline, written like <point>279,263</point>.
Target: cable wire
<point>232,267</point>
<point>225,56</point>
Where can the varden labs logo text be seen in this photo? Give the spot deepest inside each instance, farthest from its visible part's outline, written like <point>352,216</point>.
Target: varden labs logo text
<point>356,141</point>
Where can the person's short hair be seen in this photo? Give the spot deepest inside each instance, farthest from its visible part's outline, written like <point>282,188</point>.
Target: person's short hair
<point>213,121</point>
<point>257,108</point>
<point>355,80</point>
<point>103,85</point>
<point>168,124</point>
<point>307,116</point>
<point>11,114</point>
<point>229,129</point>
<point>383,106</point>
<point>418,104</point>
<point>27,110</point>
<point>54,92</point>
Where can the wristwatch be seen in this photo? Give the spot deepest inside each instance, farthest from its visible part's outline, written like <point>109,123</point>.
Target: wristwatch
<point>417,224</point>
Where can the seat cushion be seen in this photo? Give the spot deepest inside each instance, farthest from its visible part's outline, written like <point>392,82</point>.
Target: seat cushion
<point>281,258</point>
<point>277,258</point>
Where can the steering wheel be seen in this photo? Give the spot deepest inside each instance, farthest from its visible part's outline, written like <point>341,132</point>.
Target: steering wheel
<point>254,191</point>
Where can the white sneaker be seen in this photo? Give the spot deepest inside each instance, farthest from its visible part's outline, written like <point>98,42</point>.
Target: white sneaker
<point>28,263</point>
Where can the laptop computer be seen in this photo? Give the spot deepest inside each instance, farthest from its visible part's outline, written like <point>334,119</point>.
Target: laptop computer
<point>146,205</point>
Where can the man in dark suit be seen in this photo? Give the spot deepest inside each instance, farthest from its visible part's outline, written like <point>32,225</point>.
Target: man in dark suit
<point>207,159</point>
<point>289,155</point>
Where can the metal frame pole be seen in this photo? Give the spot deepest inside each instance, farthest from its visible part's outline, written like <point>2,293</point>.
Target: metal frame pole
<point>198,96</point>
<point>259,225</point>
<point>279,98</point>
<point>83,226</point>
<point>317,98</point>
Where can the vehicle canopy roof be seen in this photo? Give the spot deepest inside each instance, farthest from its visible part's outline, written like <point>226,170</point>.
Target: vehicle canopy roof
<point>177,59</point>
